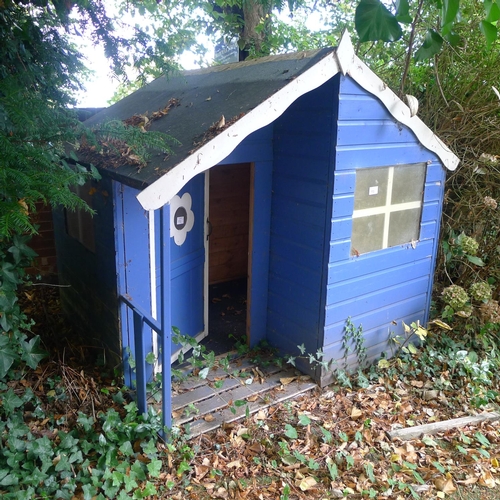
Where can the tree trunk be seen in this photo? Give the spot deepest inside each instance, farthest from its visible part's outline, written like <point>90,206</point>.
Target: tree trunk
<point>254,13</point>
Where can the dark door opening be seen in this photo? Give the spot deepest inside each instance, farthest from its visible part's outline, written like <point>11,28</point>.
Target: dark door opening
<point>228,242</point>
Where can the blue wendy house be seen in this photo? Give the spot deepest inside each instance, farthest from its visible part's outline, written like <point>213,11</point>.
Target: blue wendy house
<point>303,173</point>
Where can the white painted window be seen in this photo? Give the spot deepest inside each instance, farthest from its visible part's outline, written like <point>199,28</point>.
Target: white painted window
<point>387,207</point>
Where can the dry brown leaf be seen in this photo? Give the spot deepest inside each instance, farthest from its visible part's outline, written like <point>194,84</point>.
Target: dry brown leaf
<point>445,485</point>
<point>487,480</point>
<point>287,380</point>
<point>209,418</point>
<point>307,483</point>
<point>221,493</point>
<point>201,471</point>
<point>417,383</point>
<point>469,480</point>
<point>356,413</point>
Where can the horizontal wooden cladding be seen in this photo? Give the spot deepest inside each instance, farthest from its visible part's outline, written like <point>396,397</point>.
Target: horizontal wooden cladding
<point>352,157</point>
<point>294,292</point>
<point>297,253</point>
<point>374,262</point>
<point>344,182</point>
<point>184,264</point>
<point>313,148</point>
<point>281,325</point>
<point>302,273</point>
<point>229,215</point>
<point>315,116</point>
<point>299,212</point>
<point>230,257</point>
<point>359,132</point>
<point>343,205</point>
<point>371,283</point>
<point>258,146</point>
<point>362,107</point>
<point>311,234</point>
<point>301,189</point>
<point>303,314</point>
<point>435,172</point>
<point>388,317</point>
<point>377,341</point>
<point>371,303</point>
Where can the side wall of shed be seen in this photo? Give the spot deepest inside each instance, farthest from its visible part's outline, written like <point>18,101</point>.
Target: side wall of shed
<point>89,297</point>
<point>380,289</point>
<point>304,139</point>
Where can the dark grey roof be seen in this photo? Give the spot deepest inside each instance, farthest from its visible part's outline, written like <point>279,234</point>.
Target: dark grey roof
<point>204,96</point>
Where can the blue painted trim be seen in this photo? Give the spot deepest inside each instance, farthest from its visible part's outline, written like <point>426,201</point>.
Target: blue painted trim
<point>332,166</point>
<point>261,235</point>
<point>436,241</point>
<point>121,280</point>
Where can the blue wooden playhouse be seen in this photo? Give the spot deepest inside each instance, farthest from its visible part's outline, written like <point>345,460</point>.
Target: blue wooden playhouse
<point>302,172</point>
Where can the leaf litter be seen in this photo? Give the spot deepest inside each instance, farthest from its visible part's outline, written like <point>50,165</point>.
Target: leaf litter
<point>333,443</point>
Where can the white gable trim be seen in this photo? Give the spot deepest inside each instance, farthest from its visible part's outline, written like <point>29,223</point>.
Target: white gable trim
<point>165,188</point>
<point>343,59</point>
<point>351,65</point>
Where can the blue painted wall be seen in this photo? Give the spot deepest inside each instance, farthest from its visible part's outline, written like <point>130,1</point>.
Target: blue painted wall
<point>89,300</point>
<point>132,261</point>
<point>304,281</point>
<point>304,144</point>
<point>380,289</point>
<point>258,149</point>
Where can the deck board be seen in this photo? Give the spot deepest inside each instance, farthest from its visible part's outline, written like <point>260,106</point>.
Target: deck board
<point>205,407</point>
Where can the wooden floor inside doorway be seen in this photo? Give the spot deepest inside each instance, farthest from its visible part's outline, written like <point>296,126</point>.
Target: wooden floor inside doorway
<point>247,387</point>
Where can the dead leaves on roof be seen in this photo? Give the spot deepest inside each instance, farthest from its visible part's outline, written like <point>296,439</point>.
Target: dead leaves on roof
<point>115,152</point>
<point>214,130</point>
<point>144,121</point>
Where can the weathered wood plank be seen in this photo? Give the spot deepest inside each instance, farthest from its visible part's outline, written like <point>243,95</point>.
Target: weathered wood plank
<point>201,393</point>
<point>417,431</point>
<point>223,399</point>
<point>236,367</point>
<point>226,416</point>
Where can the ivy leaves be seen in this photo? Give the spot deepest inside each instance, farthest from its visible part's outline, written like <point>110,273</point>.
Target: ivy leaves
<point>374,22</point>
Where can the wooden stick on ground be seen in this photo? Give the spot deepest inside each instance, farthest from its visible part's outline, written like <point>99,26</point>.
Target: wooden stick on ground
<point>417,431</point>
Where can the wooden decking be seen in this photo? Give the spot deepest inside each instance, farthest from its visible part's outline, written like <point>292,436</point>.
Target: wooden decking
<point>202,405</point>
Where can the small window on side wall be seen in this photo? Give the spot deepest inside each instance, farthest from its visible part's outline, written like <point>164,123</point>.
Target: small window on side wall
<point>387,207</point>
<point>80,223</point>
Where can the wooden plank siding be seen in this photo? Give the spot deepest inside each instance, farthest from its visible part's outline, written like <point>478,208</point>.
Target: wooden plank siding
<point>132,261</point>
<point>301,207</point>
<point>90,301</point>
<point>379,289</point>
<point>229,205</point>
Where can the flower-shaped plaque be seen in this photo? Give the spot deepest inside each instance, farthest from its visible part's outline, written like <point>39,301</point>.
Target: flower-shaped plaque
<point>181,217</point>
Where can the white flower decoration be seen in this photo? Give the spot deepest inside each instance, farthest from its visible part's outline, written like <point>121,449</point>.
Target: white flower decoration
<point>181,217</point>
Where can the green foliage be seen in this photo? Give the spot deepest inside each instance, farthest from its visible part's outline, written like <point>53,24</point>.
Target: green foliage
<point>354,340</point>
<point>15,347</point>
<point>98,456</point>
<point>374,22</point>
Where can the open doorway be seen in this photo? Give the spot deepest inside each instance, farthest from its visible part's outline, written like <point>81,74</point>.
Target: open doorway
<point>228,247</point>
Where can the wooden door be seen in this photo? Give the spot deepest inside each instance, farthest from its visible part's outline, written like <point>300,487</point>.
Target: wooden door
<point>229,214</point>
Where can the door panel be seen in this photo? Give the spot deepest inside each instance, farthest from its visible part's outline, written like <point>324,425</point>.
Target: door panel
<point>188,262</point>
